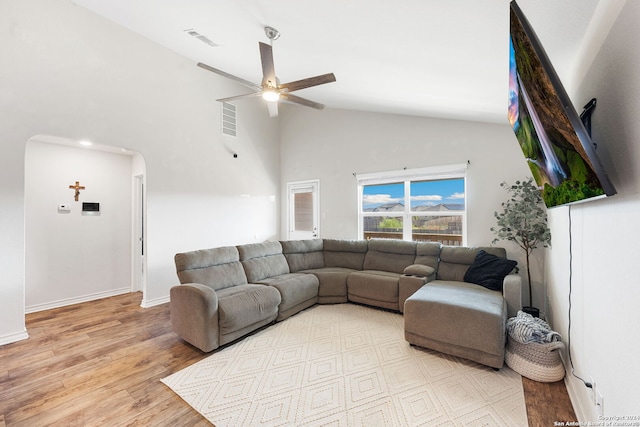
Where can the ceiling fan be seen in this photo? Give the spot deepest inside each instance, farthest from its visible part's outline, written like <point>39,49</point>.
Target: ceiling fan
<point>270,89</point>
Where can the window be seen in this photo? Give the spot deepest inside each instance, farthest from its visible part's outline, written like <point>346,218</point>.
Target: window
<point>418,204</point>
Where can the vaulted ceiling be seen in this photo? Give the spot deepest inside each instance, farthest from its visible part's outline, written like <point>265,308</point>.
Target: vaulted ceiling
<point>438,58</point>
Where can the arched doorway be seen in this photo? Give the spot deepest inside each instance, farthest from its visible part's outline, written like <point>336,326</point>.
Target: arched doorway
<point>89,248</point>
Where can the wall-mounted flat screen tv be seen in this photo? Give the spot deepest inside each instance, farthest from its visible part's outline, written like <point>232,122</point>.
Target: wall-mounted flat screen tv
<point>552,137</point>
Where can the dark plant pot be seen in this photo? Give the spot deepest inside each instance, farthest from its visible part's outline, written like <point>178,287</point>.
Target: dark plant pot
<point>532,311</point>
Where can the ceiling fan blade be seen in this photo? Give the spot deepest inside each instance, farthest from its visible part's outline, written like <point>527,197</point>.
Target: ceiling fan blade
<point>268,69</point>
<point>246,95</point>
<point>230,76</point>
<point>302,101</point>
<point>308,82</point>
<point>273,108</point>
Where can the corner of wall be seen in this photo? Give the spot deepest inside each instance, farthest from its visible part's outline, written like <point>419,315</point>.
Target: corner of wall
<point>603,19</point>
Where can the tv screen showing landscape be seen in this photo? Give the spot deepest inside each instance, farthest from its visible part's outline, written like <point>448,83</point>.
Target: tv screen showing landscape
<point>552,137</point>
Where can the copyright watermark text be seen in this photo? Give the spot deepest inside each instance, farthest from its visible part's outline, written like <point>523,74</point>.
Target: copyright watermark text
<point>608,421</point>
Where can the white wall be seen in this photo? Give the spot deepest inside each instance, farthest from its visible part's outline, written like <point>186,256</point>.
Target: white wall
<point>605,341</point>
<point>331,145</point>
<point>71,257</point>
<point>69,73</point>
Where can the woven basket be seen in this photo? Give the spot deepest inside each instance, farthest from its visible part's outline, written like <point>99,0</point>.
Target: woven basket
<point>539,362</point>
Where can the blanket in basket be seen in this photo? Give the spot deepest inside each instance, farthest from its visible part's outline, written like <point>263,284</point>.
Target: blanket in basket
<point>526,329</point>
<point>533,349</point>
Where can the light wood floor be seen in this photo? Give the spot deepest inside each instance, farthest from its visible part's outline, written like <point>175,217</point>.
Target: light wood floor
<point>100,363</point>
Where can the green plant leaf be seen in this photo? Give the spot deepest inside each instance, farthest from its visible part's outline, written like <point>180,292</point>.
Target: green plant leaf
<point>523,219</point>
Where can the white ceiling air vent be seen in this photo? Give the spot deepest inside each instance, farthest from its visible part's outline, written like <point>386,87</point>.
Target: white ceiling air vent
<point>203,39</point>
<point>229,119</point>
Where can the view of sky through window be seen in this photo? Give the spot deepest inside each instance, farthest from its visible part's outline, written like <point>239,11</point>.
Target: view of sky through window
<point>423,193</point>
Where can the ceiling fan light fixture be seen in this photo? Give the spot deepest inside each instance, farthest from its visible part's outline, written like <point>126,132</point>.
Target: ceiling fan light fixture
<point>270,95</point>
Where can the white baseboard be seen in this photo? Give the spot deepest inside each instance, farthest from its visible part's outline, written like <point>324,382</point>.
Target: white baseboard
<point>18,336</point>
<point>578,394</point>
<point>76,300</point>
<point>146,303</point>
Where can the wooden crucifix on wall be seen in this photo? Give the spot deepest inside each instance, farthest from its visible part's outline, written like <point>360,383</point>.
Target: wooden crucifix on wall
<point>77,187</point>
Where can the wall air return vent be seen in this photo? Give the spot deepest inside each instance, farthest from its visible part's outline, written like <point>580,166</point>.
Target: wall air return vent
<point>229,119</point>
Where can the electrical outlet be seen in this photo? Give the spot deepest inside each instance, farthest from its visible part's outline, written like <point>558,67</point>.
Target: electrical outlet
<point>599,403</point>
<point>593,391</point>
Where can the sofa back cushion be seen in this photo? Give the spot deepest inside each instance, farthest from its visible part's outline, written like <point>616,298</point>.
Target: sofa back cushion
<point>428,253</point>
<point>217,268</point>
<point>389,255</point>
<point>303,254</point>
<point>344,253</point>
<point>455,260</point>
<point>262,260</point>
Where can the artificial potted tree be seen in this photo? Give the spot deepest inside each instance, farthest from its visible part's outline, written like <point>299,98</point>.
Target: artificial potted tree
<point>524,222</point>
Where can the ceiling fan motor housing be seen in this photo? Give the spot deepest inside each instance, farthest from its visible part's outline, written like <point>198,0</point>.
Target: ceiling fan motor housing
<point>272,33</point>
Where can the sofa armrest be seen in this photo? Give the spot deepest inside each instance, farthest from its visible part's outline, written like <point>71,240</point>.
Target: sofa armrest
<point>194,315</point>
<point>419,270</point>
<point>512,293</point>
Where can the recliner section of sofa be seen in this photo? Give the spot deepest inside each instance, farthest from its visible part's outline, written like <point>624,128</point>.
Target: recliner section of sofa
<point>330,260</point>
<point>228,292</point>
<point>215,304</point>
<point>377,283</point>
<point>265,264</point>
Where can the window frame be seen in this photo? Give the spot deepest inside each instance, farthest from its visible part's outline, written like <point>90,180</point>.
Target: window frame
<point>407,176</point>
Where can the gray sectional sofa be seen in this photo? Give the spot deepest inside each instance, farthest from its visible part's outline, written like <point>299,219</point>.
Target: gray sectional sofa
<point>228,292</point>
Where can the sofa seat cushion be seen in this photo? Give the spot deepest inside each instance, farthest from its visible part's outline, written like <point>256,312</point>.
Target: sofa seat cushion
<point>298,291</point>
<point>333,283</point>
<point>458,318</point>
<point>245,305</point>
<point>374,287</point>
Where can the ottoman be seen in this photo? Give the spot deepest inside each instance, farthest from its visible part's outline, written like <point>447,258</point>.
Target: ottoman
<point>458,318</point>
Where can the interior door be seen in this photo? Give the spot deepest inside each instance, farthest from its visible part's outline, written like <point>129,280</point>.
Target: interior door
<point>304,210</point>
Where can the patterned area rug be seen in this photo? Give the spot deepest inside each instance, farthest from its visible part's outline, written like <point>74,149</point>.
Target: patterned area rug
<point>346,365</point>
